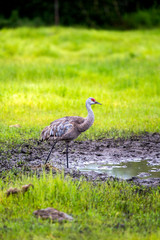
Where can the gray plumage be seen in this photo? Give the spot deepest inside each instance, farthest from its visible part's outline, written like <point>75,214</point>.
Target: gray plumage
<point>69,128</point>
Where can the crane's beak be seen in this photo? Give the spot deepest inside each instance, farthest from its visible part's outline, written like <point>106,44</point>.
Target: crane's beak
<point>97,103</point>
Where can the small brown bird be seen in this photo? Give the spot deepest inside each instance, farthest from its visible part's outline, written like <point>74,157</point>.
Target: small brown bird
<point>68,128</point>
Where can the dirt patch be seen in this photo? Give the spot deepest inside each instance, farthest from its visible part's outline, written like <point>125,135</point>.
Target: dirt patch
<point>31,156</point>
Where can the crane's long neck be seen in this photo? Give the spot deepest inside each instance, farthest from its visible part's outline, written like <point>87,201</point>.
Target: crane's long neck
<point>88,120</point>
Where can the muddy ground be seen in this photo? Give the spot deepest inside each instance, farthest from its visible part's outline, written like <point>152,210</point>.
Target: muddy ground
<point>31,156</point>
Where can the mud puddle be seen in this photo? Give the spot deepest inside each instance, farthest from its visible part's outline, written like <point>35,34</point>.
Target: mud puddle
<point>136,159</point>
<point>126,169</point>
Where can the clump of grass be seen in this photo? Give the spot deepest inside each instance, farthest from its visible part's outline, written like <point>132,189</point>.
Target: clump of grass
<point>112,209</point>
<point>48,73</point>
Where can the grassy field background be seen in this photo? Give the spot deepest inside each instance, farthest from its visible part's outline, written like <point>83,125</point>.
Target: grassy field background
<point>48,73</point>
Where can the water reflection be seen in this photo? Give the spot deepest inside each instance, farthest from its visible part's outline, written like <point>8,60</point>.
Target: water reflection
<point>126,170</point>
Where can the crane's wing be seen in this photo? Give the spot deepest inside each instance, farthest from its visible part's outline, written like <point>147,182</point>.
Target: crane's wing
<point>60,127</point>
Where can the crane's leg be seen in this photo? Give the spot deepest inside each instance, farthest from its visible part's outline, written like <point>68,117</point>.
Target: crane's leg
<point>67,154</point>
<point>50,152</point>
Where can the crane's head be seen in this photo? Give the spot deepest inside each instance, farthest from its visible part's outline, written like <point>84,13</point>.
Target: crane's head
<point>92,101</point>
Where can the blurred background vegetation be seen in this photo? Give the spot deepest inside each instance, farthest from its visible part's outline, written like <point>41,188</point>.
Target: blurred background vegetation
<point>106,14</point>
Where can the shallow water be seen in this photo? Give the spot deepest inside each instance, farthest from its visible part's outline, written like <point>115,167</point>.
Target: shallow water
<point>126,170</point>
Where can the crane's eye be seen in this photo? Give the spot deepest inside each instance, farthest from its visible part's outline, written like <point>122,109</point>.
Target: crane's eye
<point>93,100</point>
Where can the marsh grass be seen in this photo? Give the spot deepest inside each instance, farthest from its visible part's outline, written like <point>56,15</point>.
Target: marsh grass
<point>48,73</point>
<point>112,209</point>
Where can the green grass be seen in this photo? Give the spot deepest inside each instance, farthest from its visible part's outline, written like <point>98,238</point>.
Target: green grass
<point>48,73</point>
<point>110,210</point>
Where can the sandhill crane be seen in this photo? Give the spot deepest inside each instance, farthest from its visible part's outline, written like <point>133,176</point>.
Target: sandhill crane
<point>68,128</point>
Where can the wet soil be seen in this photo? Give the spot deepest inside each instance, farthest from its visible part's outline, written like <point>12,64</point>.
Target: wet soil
<point>31,156</point>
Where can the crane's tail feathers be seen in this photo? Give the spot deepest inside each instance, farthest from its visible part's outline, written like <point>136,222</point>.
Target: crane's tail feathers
<point>45,134</point>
